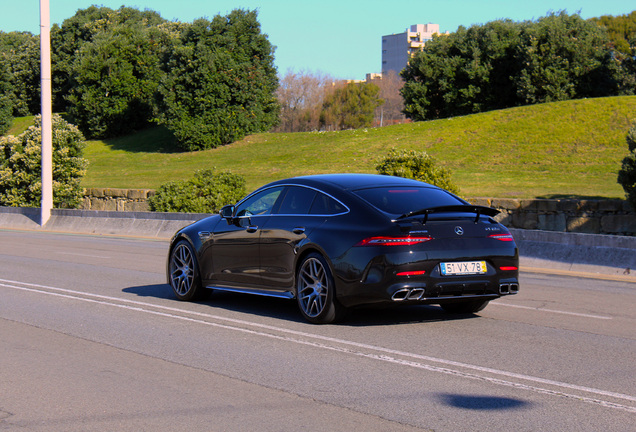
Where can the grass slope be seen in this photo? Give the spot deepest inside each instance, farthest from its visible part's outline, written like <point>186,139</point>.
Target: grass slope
<point>562,149</point>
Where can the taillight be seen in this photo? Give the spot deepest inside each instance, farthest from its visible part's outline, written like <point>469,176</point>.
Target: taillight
<point>412,273</point>
<point>502,237</point>
<point>508,268</point>
<point>394,241</point>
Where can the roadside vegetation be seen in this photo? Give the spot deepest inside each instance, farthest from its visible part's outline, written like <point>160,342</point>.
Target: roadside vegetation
<point>506,109</point>
<point>558,149</point>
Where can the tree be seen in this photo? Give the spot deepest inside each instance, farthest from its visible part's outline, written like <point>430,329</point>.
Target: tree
<point>621,30</point>
<point>350,107</point>
<point>82,28</point>
<point>503,64</point>
<point>6,107</point>
<point>565,57</point>
<point>20,166</point>
<point>220,82</point>
<point>390,111</point>
<point>465,72</point>
<point>115,77</point>
<point>301,96</point>
<point>6,111</point>
<point>627,173</point>
<point>20,58</point>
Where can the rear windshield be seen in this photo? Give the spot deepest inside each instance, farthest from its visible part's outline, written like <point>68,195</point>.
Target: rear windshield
<point>401,200</point>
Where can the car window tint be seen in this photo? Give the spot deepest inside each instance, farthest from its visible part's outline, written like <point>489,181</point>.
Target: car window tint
<point>401,200</point>
<point>260,203</point>
<point>297,201</point>
<point>325,205</point>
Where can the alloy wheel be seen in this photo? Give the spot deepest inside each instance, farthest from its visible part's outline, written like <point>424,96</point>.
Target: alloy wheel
<point>313,287</point>
<point>182,269</point>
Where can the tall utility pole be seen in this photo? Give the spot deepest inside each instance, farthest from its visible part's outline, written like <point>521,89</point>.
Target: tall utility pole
<point>47,114</point>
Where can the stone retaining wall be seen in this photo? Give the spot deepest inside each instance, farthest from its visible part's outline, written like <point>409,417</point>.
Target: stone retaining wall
<point>116,199</point>
<point>564,215</point>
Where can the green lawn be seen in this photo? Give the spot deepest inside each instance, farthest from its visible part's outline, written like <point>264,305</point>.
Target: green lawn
<point>563,149</point>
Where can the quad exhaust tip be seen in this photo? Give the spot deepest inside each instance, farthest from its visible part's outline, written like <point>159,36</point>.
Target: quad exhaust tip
<point>508,288</point>
<point>405,294</point>
<point>408,294</point>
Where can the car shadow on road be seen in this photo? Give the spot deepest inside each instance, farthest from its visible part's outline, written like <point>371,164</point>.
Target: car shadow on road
<point>162,291</point>
<point>288,310</point>
<point>403,314</point>
<point>482,403</point>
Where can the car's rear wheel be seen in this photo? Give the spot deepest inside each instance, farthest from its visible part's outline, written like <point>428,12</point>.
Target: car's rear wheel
<point>464,307</point>
<point>184,272</point>
<point>315,291</point>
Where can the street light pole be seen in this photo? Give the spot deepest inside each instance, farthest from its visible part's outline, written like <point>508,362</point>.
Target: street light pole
<point>47,114</point>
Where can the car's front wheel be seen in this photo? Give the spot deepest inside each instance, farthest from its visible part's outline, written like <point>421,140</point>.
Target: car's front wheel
<point>464,307</point>
<point>183,272</point>
<point>315,291</point>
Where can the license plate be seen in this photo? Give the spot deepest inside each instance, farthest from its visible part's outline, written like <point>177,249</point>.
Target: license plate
<point>463,268</point>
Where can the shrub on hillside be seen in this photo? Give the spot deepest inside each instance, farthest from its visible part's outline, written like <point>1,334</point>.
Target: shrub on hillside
<point>627,174</point>
<point>206,192</point>
<point>418,166</point>
<point>20,166</point>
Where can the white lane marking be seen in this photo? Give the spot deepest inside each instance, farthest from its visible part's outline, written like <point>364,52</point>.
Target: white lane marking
<point>552,311</point>
<point>106,300</point>
<point>84,255</point>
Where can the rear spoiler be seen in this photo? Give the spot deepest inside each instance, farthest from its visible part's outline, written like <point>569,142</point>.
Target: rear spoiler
<point>478,210</point>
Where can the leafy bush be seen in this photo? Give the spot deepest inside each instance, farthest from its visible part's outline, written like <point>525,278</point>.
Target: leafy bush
<point>206,192</point>
<point>418,166</point>
<point>20,166</point>
<point>627,174</point>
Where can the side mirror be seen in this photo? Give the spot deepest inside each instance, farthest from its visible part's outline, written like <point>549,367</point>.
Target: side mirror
<point>227,212</point>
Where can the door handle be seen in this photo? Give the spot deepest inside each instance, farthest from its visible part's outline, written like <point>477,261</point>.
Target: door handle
<point>298,230</point>
<point>251,229</point>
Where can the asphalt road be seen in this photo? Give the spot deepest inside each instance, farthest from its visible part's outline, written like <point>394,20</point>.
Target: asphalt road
<point>92,339</point>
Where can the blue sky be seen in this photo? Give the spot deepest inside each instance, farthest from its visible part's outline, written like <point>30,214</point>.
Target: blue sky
<point>341,38</point>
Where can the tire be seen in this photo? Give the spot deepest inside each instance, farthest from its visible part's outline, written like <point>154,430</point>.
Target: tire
<point>183,272</point>
<point>465,307</point>
<point>315,291</point>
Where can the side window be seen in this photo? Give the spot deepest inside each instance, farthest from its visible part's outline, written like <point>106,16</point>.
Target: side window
<point>259,204</point>
<point>325,205</point>
<point>297,201</point>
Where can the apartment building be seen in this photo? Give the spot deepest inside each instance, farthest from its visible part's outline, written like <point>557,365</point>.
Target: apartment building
<point>397,49</point>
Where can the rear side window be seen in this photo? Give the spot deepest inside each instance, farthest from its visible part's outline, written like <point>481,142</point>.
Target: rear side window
<point>401,200</point>
<point>325,205</point>
<point>297,201</point>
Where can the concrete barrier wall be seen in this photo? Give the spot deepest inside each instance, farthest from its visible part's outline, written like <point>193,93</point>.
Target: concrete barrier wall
<point>575,252</point>
<point>562,215</point>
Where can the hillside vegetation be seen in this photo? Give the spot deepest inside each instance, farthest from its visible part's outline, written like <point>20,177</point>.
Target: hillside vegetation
<point>562,149</point>
<point>571,148</point>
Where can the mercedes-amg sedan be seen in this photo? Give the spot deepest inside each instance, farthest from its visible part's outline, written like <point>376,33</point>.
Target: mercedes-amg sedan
<point>333,242</point>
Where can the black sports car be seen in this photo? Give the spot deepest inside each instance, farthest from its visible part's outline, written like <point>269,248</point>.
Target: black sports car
<point>337,241</point>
